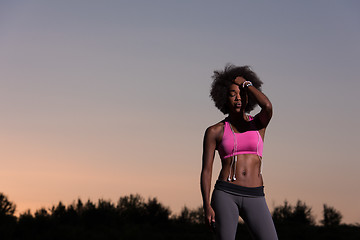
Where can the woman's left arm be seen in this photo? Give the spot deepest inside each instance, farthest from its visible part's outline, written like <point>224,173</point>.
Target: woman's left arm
<point>266,112</point>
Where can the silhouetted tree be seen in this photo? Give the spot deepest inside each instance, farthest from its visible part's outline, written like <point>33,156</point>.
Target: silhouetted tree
<point>303,214</point>
<point>7,208</point>
<point>331,217</point>
<point>26,216</point>
<point>131,208</point>
<point>106,212</point>
<point>184,216</point>
<point>87,212</point>
<point>156,212</point>
<point>89,206</point>
<point>42,218</point>
<point>41,213</point>
<point>26,225</point>
<point>7,218</point>
<point>79,207</point>
<point>71,214</point>
<point>282,214</point>
<point>195,216</point>
<point>300,214</point>
<point>58,213</point>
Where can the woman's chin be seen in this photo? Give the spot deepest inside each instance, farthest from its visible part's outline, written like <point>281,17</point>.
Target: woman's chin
<point>236,110</point>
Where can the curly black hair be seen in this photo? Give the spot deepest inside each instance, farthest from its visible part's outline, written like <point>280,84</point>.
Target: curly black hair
<point>222,81</point>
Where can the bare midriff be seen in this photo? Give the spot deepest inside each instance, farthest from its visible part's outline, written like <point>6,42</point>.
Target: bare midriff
<point>247,170</point>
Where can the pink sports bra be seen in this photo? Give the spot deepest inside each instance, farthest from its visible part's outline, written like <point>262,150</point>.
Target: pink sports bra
<point>249,142</point>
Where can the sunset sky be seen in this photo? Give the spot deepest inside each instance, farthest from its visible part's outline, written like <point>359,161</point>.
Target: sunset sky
<point>101,99</point>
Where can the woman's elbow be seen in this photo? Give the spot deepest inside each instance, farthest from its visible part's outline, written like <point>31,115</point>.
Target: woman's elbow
<point>268,108</point>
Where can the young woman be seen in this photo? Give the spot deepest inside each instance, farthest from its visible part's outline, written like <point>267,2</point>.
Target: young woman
<point>239,141</point>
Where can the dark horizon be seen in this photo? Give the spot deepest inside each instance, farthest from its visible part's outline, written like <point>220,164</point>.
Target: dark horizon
<point>133,217</point>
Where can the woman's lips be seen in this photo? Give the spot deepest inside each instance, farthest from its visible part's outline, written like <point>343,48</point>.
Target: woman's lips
<point>238,105</point>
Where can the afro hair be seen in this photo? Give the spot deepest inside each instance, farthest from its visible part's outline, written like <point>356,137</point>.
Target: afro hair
<point>223,79</point>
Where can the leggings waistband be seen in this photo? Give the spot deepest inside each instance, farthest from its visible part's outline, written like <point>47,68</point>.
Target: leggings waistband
<point>239,190</point>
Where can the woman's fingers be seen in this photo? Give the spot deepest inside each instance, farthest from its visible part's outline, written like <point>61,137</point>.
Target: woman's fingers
<point>239,81</point>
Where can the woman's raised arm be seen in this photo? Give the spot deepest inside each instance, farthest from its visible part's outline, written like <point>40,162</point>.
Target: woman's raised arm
<point>265,114</point>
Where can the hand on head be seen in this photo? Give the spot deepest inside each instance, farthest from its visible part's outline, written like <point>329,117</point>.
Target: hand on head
<point>239,80</point>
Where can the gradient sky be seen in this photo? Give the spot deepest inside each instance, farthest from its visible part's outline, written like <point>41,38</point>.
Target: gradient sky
<point>100,99</point>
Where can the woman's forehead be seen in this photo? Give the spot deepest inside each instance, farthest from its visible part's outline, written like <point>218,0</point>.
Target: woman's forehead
<point>234,87</point>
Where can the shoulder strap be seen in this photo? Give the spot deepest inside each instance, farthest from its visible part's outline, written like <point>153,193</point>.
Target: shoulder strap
<point>226,126</point>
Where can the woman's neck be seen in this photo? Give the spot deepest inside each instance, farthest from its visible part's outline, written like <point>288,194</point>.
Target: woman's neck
<point>239,116</point>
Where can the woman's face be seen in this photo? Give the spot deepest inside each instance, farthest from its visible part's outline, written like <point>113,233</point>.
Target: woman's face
<point>237,98</point>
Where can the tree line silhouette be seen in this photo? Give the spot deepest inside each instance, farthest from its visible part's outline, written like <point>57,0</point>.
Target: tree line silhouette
<point>134,218</point>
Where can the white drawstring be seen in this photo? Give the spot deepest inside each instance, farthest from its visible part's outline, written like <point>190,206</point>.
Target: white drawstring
<point>257,152</point>
<point>229,177</point>
<point>234,160</point>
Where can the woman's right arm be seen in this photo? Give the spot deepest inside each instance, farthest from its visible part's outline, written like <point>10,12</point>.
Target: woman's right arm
<point>209,146</point>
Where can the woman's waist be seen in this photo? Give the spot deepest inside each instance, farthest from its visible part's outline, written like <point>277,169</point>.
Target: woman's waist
<point>246,175</point>
<point>248,180</point>
<point>233,188</point>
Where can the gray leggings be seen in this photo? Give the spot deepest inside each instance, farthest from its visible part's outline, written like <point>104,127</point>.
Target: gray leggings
<point>252,209</point>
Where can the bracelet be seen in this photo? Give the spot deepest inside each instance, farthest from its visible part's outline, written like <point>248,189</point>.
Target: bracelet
<point>247,84</point>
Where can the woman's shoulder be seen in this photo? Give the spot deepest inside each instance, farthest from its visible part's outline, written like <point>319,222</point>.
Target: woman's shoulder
<point>216,129</point>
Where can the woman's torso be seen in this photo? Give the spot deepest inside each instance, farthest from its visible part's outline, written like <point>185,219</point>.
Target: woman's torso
<point>248,164</point>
